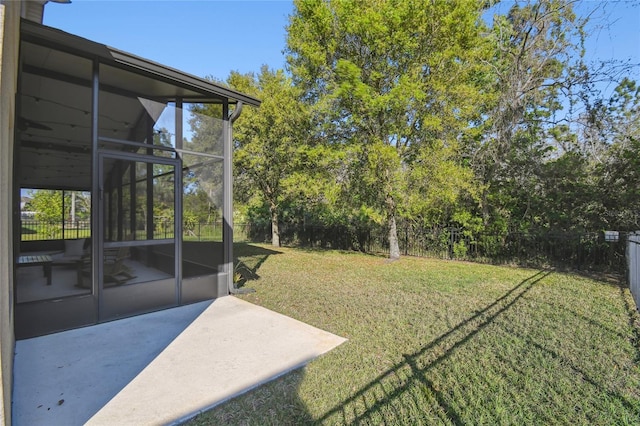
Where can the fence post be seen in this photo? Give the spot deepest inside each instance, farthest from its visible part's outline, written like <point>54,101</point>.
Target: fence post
<point>406,239</point>
<point>451,242</point>
<point>633,268</point>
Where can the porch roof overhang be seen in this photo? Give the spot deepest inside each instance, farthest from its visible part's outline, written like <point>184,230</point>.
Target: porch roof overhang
<point>188,87</point>
<point>55,103</point>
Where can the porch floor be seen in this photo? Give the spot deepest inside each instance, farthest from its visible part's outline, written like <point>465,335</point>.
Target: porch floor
<point>159,368</point>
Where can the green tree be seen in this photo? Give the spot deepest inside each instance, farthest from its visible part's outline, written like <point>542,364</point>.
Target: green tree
<point>273,159</point>
<point>535,45</point>
<point>624,108</point>
<point>386,78</point>
<point>619,171</point>
<point>439,187</point>
<point>202,176</point>
<point>83,205</point>
<point>47,205</point>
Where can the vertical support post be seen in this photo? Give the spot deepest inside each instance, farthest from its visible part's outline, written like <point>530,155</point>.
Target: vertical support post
<point>178,222</point>
<point>150,224</point>
<point>132,200</point>
<point>120,199</point>
<point>227,190</point>
<point>107,191</point>
<point>73,206</point>
<point>97,194</point>
<point>64,219</point>
<point>10,83</point>
<point>178,125</point>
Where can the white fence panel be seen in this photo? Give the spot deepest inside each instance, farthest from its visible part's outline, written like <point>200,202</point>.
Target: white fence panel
<point>633,261</point>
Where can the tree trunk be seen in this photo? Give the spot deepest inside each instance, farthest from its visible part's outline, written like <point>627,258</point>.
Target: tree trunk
<point>275,230</point>
<point>394,248</point>
<point>486,215</point>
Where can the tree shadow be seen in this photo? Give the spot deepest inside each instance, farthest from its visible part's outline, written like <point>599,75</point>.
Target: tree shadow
<point>329,250</point>
<point>579,372</point>
<point>614,279</point>
<point>379,395</point>
<point>248,258</point>
<point>583,318</point>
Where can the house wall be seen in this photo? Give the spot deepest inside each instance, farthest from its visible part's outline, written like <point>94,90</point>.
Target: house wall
<point>9,43</point>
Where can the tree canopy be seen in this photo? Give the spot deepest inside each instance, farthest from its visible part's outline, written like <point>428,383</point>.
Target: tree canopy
<point>479,115</point>
<point>394,82</point>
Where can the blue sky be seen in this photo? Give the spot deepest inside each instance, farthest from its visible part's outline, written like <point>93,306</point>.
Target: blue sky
<point>214,37</point>
<point>204,38</point>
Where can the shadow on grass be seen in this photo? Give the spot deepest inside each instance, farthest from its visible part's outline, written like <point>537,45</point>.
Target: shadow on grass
<point>583,318</point>
<point>330,251</point>
<point>577,371</point>
<point>253,256</point>
<point>415,366</point>
<point>614,279</point>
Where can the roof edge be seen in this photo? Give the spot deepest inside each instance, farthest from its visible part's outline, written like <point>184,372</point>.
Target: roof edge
<point>53,37</point>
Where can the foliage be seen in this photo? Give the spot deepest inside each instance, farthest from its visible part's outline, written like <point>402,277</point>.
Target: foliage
<point>202,176</point>
<point>420,112</point>
<point>274,156</point>
<point>534,44</point>
<point>389,78</point>
<point>438,186</point>
<point>48,204</point>
<point>619,173</point>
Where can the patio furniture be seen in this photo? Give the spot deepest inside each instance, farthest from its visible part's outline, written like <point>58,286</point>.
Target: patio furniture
<point>74,250</point>
<point>77,253</point>
<point>44,260</point>
<point>114,268</point>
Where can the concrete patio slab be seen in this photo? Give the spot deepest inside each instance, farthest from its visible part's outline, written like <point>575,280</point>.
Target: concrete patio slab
<point>159,368</point>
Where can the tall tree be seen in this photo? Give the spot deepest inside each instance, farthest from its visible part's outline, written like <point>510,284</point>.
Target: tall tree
<point>534,44</point>
<point>389,76</point>
<point>619,172</point>
<point>202,198</point>
<point>47,205</point>
<point>272,151</point>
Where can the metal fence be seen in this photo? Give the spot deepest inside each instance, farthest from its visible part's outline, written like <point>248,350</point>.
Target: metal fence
<point>35,230</point>
<point>633,261</point>
<point>589,251</point>
<point>581,251</point>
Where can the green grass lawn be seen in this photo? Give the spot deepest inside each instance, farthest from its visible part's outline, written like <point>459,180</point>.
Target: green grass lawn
<point>443,342</point>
